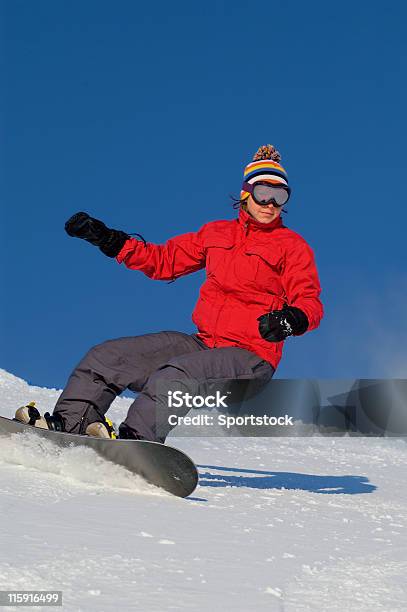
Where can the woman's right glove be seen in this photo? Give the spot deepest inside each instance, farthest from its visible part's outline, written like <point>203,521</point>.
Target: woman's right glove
<point>109,241</point>
<point>277,325</point>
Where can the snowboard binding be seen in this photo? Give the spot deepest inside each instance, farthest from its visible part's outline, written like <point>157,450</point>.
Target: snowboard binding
<point>30,415</point>
<point>102,430</point>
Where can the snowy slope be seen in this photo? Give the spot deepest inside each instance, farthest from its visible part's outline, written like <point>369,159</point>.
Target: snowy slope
<point>281,524</point>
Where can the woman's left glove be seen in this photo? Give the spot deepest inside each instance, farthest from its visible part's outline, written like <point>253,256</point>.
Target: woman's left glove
<point>277,325</point>
<point>110,241</point>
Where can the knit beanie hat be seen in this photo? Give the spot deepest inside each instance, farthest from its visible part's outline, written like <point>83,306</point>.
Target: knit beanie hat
<point>265,167</point>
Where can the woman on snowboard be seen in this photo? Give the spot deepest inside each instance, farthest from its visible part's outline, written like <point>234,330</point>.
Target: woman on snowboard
<point>261,287</point>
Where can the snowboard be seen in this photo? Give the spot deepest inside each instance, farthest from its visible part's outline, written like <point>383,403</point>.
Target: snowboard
<point>161,465</point>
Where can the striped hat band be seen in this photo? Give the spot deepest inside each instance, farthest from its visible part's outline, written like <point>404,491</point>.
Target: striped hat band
<point>265,166</point>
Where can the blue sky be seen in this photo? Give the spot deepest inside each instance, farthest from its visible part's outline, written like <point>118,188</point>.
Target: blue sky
<point>144,115</point>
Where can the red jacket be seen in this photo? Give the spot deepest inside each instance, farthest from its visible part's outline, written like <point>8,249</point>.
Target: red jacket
<point>251,268</point>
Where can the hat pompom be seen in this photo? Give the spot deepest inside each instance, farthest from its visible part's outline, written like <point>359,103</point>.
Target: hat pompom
<point>267,152</point>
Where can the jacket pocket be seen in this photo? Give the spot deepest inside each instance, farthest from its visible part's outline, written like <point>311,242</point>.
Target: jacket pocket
<point>218,249</point>
<point>267,266</point>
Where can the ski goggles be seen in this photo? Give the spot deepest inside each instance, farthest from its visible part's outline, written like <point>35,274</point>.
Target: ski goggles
<point>264,193</point>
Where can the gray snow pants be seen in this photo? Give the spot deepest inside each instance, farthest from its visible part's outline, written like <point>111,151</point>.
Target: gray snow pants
<point>149,364</point>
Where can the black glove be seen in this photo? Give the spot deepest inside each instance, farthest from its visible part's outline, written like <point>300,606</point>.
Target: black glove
<point>277,325</point>
<point>110,241</point>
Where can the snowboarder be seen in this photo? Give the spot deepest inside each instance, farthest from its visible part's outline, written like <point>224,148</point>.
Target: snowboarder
<point>261,287</point>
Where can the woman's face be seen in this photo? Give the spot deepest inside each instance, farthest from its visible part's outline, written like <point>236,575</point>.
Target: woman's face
<point>263,214</point>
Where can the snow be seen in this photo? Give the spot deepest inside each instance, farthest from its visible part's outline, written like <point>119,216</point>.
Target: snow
<point>284,524</point>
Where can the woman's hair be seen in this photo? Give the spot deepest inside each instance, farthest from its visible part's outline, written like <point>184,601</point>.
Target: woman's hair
<point>236,203</point>
<point>267,151</point>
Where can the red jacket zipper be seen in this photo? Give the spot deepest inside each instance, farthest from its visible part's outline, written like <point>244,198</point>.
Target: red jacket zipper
<point>246,228</point>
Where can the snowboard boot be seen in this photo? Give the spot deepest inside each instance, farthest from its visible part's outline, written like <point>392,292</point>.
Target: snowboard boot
<point>101,430</point>
<point>127,433</point>
<point>30,415</point>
